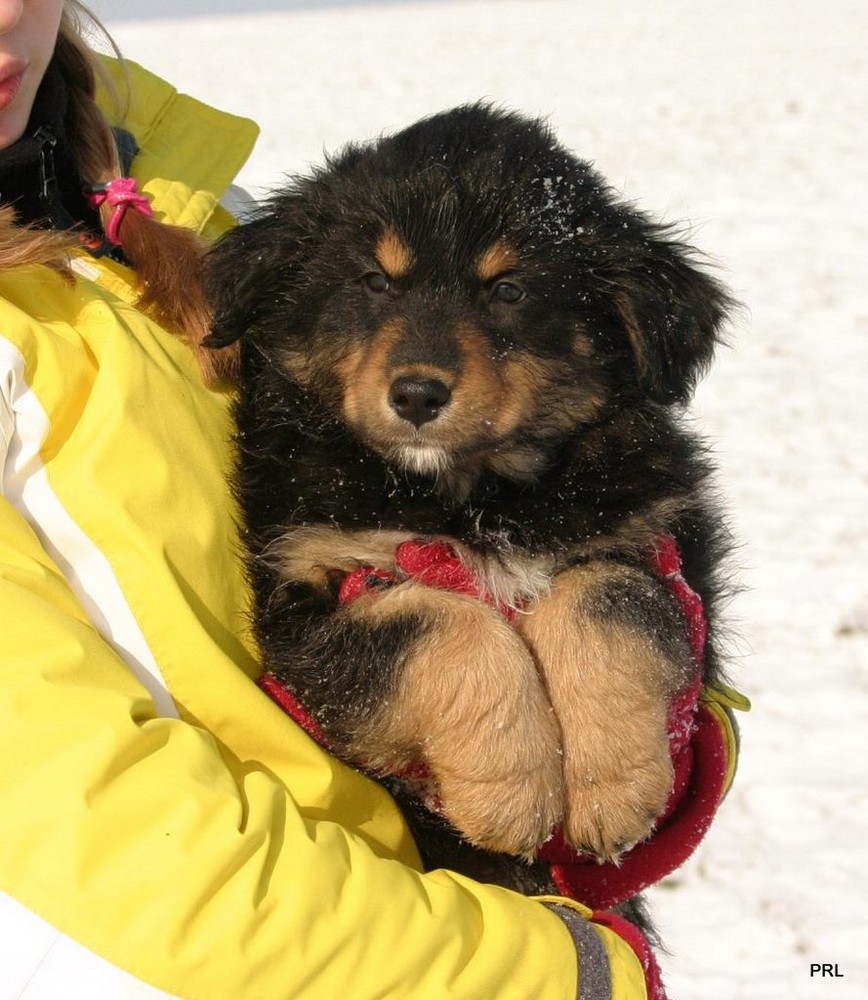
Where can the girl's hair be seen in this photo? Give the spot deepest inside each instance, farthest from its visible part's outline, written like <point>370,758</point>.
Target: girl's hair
<point>167,259</point>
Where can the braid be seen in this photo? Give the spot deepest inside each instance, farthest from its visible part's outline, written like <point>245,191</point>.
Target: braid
<point>168,260</point>
<point>95,149</point>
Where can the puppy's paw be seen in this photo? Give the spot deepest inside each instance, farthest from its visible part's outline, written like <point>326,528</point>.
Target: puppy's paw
<point>596,638</point>
<point>470,705</point>
<point>508,794</point>
<point>615,797</point>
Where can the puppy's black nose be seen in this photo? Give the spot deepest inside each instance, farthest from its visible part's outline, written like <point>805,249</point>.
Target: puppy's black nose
<point>418,399</point>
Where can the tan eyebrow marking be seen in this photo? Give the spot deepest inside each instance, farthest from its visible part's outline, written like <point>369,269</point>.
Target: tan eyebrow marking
<point>393,254</point>
<point>497,259</point>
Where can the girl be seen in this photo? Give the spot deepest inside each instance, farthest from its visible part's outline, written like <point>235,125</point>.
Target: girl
<point>166,829</point>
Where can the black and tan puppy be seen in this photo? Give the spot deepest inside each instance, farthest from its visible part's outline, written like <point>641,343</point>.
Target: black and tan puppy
<point>459,333</point>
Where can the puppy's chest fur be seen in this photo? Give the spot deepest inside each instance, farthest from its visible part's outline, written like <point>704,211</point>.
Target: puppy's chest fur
<point>319,504</point>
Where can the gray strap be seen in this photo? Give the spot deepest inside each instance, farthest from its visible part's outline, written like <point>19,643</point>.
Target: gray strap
<point>595,978</point>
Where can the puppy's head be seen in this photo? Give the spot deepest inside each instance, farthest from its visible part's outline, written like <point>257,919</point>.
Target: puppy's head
<point>466,293</point>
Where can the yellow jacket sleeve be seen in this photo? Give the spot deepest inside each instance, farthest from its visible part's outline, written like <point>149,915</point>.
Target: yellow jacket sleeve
<point>157,807</point>
<point>137,836</point>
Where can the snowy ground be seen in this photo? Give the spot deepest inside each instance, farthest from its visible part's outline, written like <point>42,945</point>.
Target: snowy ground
<point>750,121</point>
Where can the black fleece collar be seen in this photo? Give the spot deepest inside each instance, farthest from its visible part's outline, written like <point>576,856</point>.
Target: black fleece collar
<point>38,176</point>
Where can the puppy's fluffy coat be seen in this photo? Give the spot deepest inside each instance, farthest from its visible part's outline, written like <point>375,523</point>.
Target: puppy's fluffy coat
<point>459,333</point>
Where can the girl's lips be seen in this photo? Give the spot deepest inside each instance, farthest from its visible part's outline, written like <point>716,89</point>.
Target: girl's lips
<point>9,87</point>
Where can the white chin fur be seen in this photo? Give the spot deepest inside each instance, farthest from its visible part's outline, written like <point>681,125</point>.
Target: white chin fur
<point>424,460</point>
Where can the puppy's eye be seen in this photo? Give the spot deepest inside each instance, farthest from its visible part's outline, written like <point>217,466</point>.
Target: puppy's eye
<point>376,282</point>
<point>507,291</point>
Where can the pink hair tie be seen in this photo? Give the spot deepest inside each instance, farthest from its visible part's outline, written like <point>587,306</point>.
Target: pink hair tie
<point>121,193</point>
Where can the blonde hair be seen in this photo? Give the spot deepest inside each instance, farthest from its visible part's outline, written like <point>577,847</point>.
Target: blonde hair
<point>167,259</point>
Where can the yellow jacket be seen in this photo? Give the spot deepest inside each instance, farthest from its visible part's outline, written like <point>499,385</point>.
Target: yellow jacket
<point>165,826</point>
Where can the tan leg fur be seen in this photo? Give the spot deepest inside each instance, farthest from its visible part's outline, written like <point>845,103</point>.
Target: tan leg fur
<point>471,705</point>
<point>610,688</point>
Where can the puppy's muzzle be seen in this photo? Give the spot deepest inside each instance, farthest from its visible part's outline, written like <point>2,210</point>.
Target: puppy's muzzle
<point>418,400</point>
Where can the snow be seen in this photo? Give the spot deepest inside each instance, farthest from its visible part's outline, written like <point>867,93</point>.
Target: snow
<point>748,120</point>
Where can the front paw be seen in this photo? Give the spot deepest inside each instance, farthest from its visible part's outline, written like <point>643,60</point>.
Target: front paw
<point>615,795</point>
<point>610,678</point>
<point>470,705</point>
<point>505,792</point>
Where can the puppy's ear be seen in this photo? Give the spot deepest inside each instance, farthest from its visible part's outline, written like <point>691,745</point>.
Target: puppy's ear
<point>672,311</point>
<point>239,272</point>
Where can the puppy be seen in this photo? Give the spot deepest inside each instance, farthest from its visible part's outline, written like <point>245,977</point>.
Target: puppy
<point>459,335</point>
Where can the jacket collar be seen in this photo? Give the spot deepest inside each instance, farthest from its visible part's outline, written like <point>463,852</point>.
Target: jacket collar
<point>189,153</point>
<point>184,154</point>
